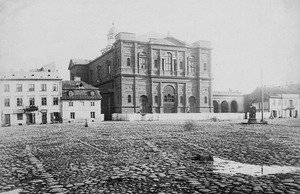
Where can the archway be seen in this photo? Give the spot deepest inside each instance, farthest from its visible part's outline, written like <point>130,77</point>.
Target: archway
<point>216,106</point>
<point>192,104</point>
<point>169,99</point>
<point>224,106</point>
<point>143,104</point>
<point>234,106</point>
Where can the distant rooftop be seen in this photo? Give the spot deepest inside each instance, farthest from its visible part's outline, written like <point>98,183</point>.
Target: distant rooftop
<point>29,75</point>
<point>80,61</point>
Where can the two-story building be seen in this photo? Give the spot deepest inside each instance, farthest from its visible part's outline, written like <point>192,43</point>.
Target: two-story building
<point>30,97</point>
<point>150,75</point>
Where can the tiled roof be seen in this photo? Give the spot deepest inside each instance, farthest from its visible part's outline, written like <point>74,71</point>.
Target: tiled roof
<point>29,75</point>
<point>80,61</point>
<point>77,85</point>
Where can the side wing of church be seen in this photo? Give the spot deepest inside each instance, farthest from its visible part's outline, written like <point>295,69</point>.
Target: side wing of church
<point>154,75</point>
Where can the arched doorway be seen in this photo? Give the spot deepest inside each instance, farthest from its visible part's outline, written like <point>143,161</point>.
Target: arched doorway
<point>143,104</point>
<point>234,106</point>
<point>224,106</point>
<point>169,99</point>
<point>192,104</point>
<point>216,106</point>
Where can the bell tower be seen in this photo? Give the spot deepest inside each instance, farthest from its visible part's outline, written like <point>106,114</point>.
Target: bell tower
<point>111,35</point>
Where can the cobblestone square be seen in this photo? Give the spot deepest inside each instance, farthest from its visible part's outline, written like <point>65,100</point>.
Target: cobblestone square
<point>148,157</point>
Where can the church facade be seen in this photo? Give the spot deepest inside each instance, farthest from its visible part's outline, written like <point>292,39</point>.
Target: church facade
<point>153,75</point>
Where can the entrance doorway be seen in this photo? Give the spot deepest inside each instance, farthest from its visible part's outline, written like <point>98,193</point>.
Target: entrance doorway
<point>224,106</point>
<point>7,119</point>
<point>44,117</point>
<point>143,104</point>
<point>30,118</point>
<point>192,104</point>
<point>216,106</point>
<point>234,107</point>
<point>169,99</point>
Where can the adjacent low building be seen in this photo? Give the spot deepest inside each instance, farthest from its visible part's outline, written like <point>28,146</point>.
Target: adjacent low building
<point>80,102</point>
<point>30,97</point>
<point>228,102</point>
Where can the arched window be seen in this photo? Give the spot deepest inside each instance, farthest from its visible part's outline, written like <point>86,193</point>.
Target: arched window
<point>108,67</point>
<point>192,64</point>
<point>129,98</point>
<point>169,98</point>
<point>128,61</point>
<point>181,99</point>
<point>205,99</point>
<point>156,63</point>
<point>168,61</point>
<point>142,60</point>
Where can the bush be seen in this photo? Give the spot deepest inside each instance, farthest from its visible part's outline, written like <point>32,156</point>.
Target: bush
<point>189,126</point>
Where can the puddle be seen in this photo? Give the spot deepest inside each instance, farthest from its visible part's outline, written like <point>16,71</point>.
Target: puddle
<point>16,191</point>
<point>232,167</point>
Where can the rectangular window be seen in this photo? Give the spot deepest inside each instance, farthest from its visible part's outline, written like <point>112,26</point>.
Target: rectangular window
<point>31,101</point>
<point>93,115</point>
<point>31,88</point>
<point>156,63</point>
<point>19,87</point>
<point>72,115</point>
<point>55,100</point>
<point>92,103</point>
<point>7,102</point>
<point>181,64</point>
<point>44,87</point>
<point>6,88</point>
<point>20,116</point>
<point>291,103</point>
<point>55,87</point>
<point>44,101</point>
<point>70,103</point>
<point>19,102</point>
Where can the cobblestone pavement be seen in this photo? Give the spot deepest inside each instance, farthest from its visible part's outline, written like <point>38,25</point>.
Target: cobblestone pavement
<point>147,157</point>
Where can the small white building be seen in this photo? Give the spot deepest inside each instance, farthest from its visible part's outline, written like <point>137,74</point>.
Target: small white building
<point>285,105</point>
<point>30,97</point>
<point>80,102</point>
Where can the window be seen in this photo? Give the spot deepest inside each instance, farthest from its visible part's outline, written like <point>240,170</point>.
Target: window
<point>279,102</point>
<point>55,87</point>
<point>82,103</point>
<point>168,61</point>
<point>19,87</point>
<point>192,64</point>
<point>205,99</point>
<point>129,98</point>
<point>31,88</point>
<point>181,64</point>
<point>142,60</point>
<point>98,71</point>
<point>31,101</point>
<point>163,63</point>
<point>70,103</point>
<point>128,62</point>
<point>285,102</point>
<point>55,100</point>
<point>175,65</point>
<point>118,62</point>
<point>20,116</point>
<point>108,67</point>
<point>156,63</point>
<point>181,99</point>
<point>291,103</point>
<point>156,99</point>
<point>72,115</point>
<point>6,102</point>
<point>19,102</point>
<point>274,101</point>
<point>6,88</point>
<point>44,87</point>
<point>169,98</point>
<point>44,101</point>
<point>93,115</point>
<point>92,103</point>
<point>205,66</point>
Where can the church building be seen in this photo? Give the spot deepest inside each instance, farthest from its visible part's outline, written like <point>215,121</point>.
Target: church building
<point>149,74</point>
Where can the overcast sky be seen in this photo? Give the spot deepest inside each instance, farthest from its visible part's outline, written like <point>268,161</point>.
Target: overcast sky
<point>246,34</point>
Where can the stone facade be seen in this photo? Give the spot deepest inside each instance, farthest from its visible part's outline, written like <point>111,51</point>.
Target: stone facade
<point>157,76</point>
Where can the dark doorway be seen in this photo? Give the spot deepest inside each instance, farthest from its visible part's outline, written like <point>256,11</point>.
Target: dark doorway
<point>169,99</point>
<point>30,118</point>
<point>224,106</point>
<point>216,106</point>
<point>274,113</point>
<point>7,120</point>
<point>234,106</point>
<point>143,104</point>
<point>107,105</point>
<point>44,117</point>
<point>192,104</point>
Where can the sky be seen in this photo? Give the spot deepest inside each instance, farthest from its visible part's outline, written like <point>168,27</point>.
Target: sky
<point>248,36</point>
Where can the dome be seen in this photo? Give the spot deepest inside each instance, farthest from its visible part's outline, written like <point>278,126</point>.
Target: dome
<point>113,30</point>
